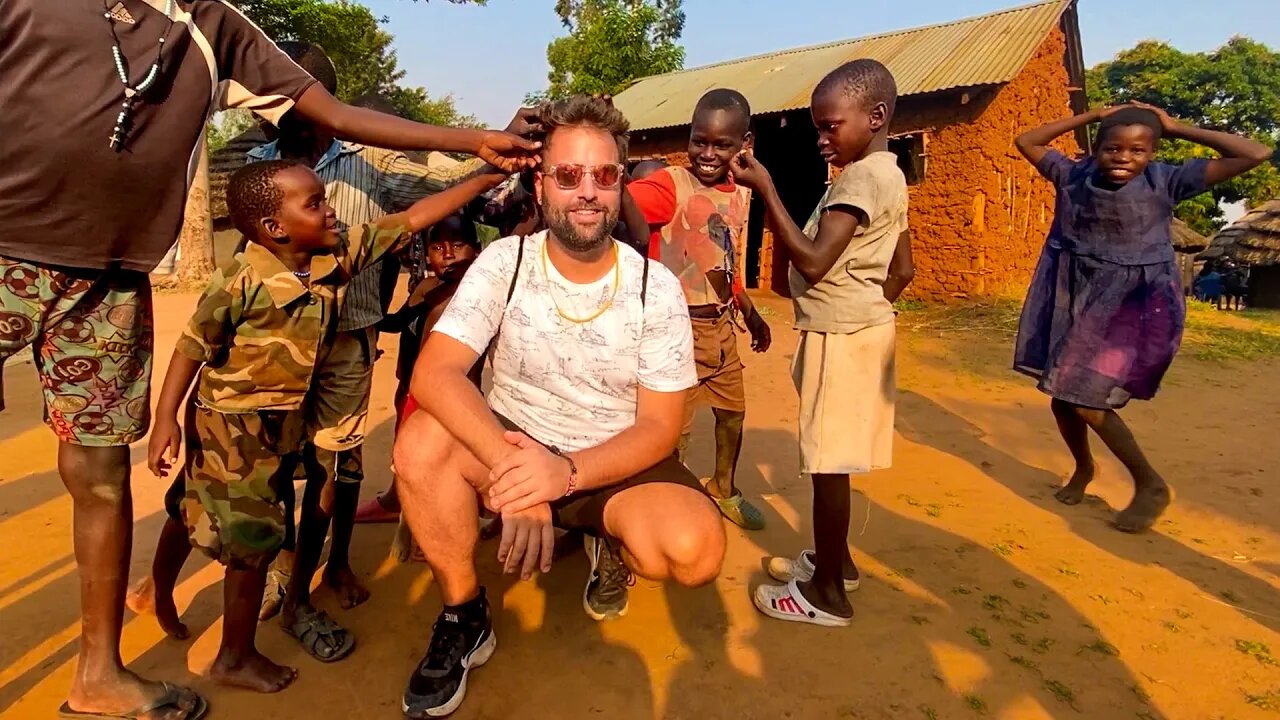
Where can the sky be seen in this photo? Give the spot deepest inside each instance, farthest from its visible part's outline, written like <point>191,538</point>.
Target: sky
<point>490,57</point>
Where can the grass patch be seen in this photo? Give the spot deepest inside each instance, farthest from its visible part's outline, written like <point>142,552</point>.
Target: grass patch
<point>1020,584</point>
<point>961,590</point>
<point>1182,614</point>
<point>1033,615</point>
<point>1060,691</point>
<point>1102,647</point>
<point>1043,645</point>
<point>994,602</point>
<point>980,635</point>
<point>1266,701</point>
<point>928,712</point>
<point>1024,662</point>
<point>1210,334</point>
<point>976,703</point>
<point>1257,651</point>
<point>1172,627</point>
<point>1004,549</point>
<point>1019,638</point>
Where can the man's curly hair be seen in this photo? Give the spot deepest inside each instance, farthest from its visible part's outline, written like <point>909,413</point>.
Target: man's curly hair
<point>589,112</point>
<point>252,194</point>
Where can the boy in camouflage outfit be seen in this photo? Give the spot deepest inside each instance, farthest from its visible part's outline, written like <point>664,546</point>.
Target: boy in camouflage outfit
<point>259,332</point>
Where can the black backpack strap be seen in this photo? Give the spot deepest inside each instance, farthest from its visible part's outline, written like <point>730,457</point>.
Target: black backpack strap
<point>511,290</point>
<point>644,283</point>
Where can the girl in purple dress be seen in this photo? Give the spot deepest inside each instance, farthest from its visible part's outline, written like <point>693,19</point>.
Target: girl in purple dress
<point>1105,310</point>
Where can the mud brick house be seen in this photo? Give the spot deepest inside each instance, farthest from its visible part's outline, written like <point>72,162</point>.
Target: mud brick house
<point>979,212</point>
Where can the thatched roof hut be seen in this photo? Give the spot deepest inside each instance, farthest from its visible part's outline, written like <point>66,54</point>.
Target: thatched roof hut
<point>1253,240</point>
<point>224,163</point>
<point>1186,240</point>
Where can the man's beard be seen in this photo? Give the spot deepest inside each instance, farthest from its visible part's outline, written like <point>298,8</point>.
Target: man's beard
<point>570,236</point>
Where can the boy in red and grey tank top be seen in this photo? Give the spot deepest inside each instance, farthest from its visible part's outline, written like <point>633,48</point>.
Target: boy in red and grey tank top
<point>697,217</point>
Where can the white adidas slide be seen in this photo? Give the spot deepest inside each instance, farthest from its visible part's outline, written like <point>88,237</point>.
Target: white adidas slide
<point>784,602</point>
<point>801,569</point>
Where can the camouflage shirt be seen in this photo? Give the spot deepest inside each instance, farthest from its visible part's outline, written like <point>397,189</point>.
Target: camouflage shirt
<point>260,331</point>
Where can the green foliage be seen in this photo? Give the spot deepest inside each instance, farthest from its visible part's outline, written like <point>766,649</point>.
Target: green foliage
<point>611,43</point>
<point>360,49</point>
<point>1235,88</point>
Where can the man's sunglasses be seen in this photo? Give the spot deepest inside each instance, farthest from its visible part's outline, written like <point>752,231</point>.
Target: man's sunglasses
<point>569,175</point>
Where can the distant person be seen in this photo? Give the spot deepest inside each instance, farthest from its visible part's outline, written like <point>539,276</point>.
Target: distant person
<point>258,334</point>
<point>105,106</point>
<point>1235,286</point>
<point>848,265</point>
<point>1208,286</point>
<point>697,216</point>
<point>1105,311</point>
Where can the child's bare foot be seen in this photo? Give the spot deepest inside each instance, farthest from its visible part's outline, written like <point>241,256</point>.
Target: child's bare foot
<point>122,693</point>
<point>1148,504</point>
<point>1073,492</point>
<point>143,600</point>
<point>345,583</point>
<point>252,672</point>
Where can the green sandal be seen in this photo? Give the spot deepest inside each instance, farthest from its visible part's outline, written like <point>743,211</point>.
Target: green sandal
<point>320,636</point>
<point>738,511</point>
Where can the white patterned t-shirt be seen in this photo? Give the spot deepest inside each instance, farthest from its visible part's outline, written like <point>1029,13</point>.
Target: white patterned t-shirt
<point>572,385</point>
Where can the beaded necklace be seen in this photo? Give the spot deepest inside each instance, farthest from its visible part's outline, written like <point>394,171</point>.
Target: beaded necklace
<point>134,92</point>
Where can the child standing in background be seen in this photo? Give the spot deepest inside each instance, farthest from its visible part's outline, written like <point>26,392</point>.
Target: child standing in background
<point>848,265</point>
<point>1104,314</point>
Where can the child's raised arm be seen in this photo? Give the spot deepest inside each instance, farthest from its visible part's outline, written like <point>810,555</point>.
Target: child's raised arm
<point>1239,154</point>
<point>1033,144</point>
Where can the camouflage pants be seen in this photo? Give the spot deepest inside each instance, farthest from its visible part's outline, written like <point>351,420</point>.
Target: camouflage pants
<point>237,500</point>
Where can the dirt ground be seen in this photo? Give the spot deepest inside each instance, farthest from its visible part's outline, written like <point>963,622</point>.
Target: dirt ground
<point>983,596</point>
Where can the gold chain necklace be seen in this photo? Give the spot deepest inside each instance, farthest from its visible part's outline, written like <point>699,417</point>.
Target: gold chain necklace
<point>551,286</point>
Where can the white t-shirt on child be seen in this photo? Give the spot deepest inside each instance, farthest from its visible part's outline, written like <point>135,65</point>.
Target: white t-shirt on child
<point>572,385</point>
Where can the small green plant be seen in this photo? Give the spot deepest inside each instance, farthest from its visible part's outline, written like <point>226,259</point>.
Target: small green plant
<point>981,636</point>
<point>1020,584</point>
<point>976,703</point>
<point>1024,662</point>
<point>1256,650</point>
<point>1068,571</point>
<point>1019,638</point>
<point>1141,694</point>
<point>1101,647</point>
<point>961,590</point>
<point>1043,645</point>
<point>1182,614</point>
<point>1269,700</point>
<point>929,713</point>
<point>1060,691</point>
<point>1172,627</point>
<point>994,602</point>
<point>1004,549</point>
<point>933,510</point>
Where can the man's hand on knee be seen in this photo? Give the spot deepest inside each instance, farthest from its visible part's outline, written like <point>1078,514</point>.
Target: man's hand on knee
<point>528,541</point>
<point>531,476</point>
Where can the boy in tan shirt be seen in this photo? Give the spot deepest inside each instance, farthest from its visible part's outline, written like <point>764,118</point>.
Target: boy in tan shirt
<point>849,264</point>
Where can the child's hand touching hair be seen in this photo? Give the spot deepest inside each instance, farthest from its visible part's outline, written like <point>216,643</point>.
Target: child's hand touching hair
<point>749,172</point>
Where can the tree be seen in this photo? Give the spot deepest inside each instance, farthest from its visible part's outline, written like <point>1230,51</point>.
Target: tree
<point>612,42</point>
<point>1234,88</point>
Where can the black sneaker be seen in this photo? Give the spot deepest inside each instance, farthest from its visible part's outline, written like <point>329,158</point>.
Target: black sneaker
<point>605,596</point>
<point>458,644</point>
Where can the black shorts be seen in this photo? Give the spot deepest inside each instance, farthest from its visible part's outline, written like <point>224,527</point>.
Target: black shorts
<point>584,510</point>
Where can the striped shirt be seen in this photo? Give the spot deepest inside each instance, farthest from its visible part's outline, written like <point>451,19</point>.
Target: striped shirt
<point>363,184</point>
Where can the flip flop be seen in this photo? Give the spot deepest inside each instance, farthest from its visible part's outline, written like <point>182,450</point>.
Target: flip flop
<point>172,697</point>
<point>314,629</point>
<point>373,511</point>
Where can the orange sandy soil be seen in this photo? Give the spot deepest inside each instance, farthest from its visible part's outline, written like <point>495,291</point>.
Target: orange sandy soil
<point>982,595</point>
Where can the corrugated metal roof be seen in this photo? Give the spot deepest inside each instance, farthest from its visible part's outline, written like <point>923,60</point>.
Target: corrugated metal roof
<point>984,50</point>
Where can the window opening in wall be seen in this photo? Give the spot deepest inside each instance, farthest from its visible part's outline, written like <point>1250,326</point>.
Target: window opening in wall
<point>911,150</point>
